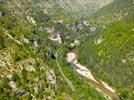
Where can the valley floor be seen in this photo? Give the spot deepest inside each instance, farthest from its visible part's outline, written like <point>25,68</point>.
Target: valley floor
<point>84,72</point>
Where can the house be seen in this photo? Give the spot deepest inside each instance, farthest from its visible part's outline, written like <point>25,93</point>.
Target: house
<point>56,37</point>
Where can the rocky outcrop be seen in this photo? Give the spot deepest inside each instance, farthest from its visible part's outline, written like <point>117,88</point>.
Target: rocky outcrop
<point>5,59</point>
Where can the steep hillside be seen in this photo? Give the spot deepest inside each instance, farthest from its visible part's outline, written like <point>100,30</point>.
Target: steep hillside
<point>113,12</point>
<point>36,36</point>
<point>28,68</point>
<point>82,8</point>
<point>109,53</point>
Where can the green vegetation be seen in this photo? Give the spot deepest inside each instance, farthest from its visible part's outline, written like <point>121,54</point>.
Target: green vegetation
<point>112,59</point>
<point>109,52</point>
<point>26,67</point>
<point>28,61</point>
<point>79,83</point>
<point>113,12</point>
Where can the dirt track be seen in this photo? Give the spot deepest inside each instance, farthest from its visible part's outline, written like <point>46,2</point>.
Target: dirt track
<point>85,72</point>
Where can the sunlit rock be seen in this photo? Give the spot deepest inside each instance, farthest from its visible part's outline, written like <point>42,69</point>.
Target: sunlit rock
<point>10,76</point>
<point>123,60</point>
<point>30,68</point>
<point>92,29</point>
<point>99,40</point>
<point>36,89</point>
<point>12,85</point>
<point>31,20</point>
<point>86,23</point>
<point>25,40</point>
<point>51,77</point>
